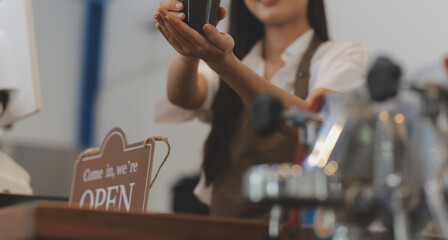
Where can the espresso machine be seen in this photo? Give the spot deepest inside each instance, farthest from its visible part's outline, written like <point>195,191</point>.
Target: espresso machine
<point>378,159</point>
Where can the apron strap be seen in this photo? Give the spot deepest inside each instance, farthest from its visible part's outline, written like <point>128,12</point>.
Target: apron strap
<point>303,72</point>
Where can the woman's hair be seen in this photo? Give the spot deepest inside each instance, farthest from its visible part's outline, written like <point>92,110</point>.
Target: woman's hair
<point>246,30</point>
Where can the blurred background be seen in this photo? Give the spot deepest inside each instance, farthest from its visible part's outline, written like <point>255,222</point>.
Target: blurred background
<point>115,43</point>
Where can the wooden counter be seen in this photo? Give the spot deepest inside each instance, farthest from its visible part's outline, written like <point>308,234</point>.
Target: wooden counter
<point>48,220</point>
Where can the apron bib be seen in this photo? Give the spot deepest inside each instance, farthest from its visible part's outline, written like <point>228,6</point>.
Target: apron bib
<point>249,149</point>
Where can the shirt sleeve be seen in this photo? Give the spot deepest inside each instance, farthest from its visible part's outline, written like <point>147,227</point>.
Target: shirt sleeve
<point>339,67</point>
<point>212,79</point>
<point>166,112</point>
<point>203,192</point>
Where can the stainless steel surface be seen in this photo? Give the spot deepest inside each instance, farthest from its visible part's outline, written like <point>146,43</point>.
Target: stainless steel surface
<point>289,184</point>
<point>381,161</point>
<point>275,222</point>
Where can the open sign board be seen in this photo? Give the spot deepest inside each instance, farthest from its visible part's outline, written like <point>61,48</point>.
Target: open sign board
<point>115,177</point>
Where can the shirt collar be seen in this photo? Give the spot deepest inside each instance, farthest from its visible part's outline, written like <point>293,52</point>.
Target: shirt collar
<point>296,49</point>
<point>256,52</point>
<point>292,54</point>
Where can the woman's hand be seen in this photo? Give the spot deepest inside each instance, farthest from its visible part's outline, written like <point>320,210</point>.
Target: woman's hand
<point>174,7</point>
<point>212,48</point>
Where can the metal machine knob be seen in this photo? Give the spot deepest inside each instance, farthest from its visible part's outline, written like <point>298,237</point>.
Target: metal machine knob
<point>266,114</point>
<point>383,79</point>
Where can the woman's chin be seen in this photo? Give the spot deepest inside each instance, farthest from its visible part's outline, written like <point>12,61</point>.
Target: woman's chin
<point>273,20</point>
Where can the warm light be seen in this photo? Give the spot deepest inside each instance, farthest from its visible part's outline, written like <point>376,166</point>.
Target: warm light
<point>399,118</point>
<point>331,168</point>
<point>284,170</point>
<point>383,116</point>
<point>296,171</point>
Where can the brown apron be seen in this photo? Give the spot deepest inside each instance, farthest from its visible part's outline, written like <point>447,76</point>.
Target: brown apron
<point>248,149</point>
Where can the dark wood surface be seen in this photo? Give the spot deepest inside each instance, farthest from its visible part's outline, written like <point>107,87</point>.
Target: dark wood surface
<point>56,220</point>
<point>49,220</point>
<point>12,199</point>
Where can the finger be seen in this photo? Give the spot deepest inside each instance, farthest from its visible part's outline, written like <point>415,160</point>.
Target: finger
<point>166,32</point>
<point>177,46</point>
<point>176,34</point>
<point>179,15</point>
<point>187,32</point>
<point>163,13</point>
<point>172,5</point>
<point>222,13</point>
<point>162,25</point>
<point>159,18</point>
<point>220,40</point>
<point>163,32</point>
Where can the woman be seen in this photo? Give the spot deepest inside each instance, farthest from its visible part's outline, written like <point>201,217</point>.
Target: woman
<point>275,46</point>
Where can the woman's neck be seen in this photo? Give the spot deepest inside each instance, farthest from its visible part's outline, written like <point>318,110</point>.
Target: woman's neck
<point>278,37</point>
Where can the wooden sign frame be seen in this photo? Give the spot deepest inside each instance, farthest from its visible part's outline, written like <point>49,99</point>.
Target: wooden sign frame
<point>100,175</point>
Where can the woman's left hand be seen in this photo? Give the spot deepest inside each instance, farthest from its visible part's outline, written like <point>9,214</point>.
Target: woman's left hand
<point>212,47</point>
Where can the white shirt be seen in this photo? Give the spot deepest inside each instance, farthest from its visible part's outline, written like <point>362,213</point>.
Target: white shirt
<point>337,66</point>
